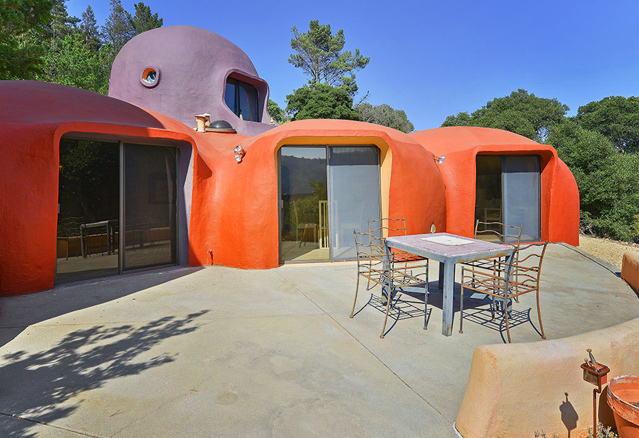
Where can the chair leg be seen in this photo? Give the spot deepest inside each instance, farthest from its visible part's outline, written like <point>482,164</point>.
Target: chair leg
<point>388,303</point>
<point>461,310</point>
<point>426,301</point>
<point>426,309</point>
<point>541,326</point>
<point>355,300</point>
<point>507,324</point>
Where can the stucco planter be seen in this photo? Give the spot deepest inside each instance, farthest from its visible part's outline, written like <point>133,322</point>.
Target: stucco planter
<point>623,398</point>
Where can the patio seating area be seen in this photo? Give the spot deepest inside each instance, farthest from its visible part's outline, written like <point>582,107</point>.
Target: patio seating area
<point>218,351</point>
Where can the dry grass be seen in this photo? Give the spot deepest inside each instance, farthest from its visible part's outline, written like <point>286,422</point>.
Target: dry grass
<point>606,249</point>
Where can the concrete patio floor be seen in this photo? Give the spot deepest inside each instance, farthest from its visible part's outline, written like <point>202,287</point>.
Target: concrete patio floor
<point>215,351</point>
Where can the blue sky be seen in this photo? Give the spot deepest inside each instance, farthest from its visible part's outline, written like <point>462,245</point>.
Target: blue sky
<point>436,58</point>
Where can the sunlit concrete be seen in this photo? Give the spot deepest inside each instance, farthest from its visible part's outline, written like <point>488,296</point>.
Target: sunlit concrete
<point>196,352</point>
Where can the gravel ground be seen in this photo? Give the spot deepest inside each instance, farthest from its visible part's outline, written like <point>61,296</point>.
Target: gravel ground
<point>606,249</point>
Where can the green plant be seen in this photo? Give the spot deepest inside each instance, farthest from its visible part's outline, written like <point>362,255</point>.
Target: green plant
<point>603,432</point>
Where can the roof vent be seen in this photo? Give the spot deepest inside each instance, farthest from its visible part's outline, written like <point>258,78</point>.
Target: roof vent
<point>220,126</point>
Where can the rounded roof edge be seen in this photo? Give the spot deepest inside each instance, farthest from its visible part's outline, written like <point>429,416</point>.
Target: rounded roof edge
<point>467,137</point>
<point>42,102</point>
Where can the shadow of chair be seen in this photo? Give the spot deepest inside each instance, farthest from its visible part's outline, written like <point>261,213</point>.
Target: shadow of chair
<point>505,281</point>
<point>390,272</point>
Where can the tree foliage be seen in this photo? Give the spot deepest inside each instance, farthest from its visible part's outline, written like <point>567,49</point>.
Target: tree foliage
<point>599,145</point>
<point>22,24</point>
<point>607,180</point>
<point>277,113</point>
<point>143,20</point>
<point>117,29</point>
<point>90,30</point>
<point>320,55</point>
<point>520,112</point>
<point>617,118</point>
<point>63,49</point>
<point>321,101</point>
<point>384,115</point>
<point>73,63</point>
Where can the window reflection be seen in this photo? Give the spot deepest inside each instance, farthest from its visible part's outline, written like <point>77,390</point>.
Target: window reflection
<point>150,203</point>
<point>88,225</point>
<point>304,198</point>
<point>242,99</point>
<point>326,193</point>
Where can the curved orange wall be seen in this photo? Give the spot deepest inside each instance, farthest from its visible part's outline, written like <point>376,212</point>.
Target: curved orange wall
<point>235,213</point>
<point>29,203</point>
<point>461,145</point>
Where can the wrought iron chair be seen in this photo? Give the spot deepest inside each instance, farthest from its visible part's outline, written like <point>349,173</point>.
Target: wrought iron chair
<point>499,233</point>
<point>391,272</point>
<point>382,228</point>
<point>505,281</point>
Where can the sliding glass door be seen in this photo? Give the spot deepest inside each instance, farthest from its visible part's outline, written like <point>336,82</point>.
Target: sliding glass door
<point>354,195</point>
<point>326,192</point>
<point>508,191</point>
<point>521,195</point>
<point>88,210</point>
<point>117,208</point>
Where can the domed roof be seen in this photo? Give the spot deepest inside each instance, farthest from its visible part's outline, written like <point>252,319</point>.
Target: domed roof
<point>181,71</point>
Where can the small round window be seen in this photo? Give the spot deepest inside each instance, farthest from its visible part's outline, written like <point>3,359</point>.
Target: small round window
<point>150,77</point>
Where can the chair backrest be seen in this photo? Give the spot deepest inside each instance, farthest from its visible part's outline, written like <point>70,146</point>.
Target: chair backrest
<point>368,248</point>
<point>498,231</point>
<point>526,264</point>
<point>380,229</point>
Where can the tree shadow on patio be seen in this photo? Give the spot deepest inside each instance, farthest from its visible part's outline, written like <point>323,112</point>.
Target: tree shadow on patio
<point>43,387</point>
<point>19,312</point>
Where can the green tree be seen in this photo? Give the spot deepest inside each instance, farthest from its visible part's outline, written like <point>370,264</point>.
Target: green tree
<point>608,186</point>
<point>143,20</point>
<point>520,112</point>
<point>321,101</point>
<point>74,64</point>
<point>22,24</point>
<point>90,30</point>
<point>385,115</point>
<point>61,24</point>
<point>117,29</point>
<point>277,113</point>
<point>615,117</point>
<point>320,55</point>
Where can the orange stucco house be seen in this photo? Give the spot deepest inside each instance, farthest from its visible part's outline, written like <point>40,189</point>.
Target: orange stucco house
<point>99,185</point>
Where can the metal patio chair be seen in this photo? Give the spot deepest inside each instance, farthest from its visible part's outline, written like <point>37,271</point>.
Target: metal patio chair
<point>505,281</point>
<point>389,271</point>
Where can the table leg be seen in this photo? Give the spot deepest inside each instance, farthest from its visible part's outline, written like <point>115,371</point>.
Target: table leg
<point>447,301</point>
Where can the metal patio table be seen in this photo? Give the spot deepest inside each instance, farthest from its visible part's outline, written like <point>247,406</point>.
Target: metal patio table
<point>448,249</point>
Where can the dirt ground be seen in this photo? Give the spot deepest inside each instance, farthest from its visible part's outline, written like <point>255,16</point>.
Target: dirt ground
<point>608,250</point>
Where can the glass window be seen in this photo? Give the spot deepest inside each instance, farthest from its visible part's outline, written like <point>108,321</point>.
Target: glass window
<point>248,102</point>
<point>327,192</point>
<point>91,241</point>
<point>242,99</point>
<point>149,207</point>
<point>508,191</point>
<point>304,203</point>
<point>88,210</point>
<point>229,95</point>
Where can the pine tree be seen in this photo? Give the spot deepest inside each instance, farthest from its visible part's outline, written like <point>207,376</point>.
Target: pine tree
<point>90,30</point>
<point>117,29</point>
<point>143,20</point>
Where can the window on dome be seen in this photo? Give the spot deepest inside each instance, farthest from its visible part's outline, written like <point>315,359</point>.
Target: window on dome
<point>242,99</point>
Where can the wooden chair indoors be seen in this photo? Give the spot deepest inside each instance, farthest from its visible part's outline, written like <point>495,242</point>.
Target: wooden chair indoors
<point>505,281</point>
<point>388,271</point>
